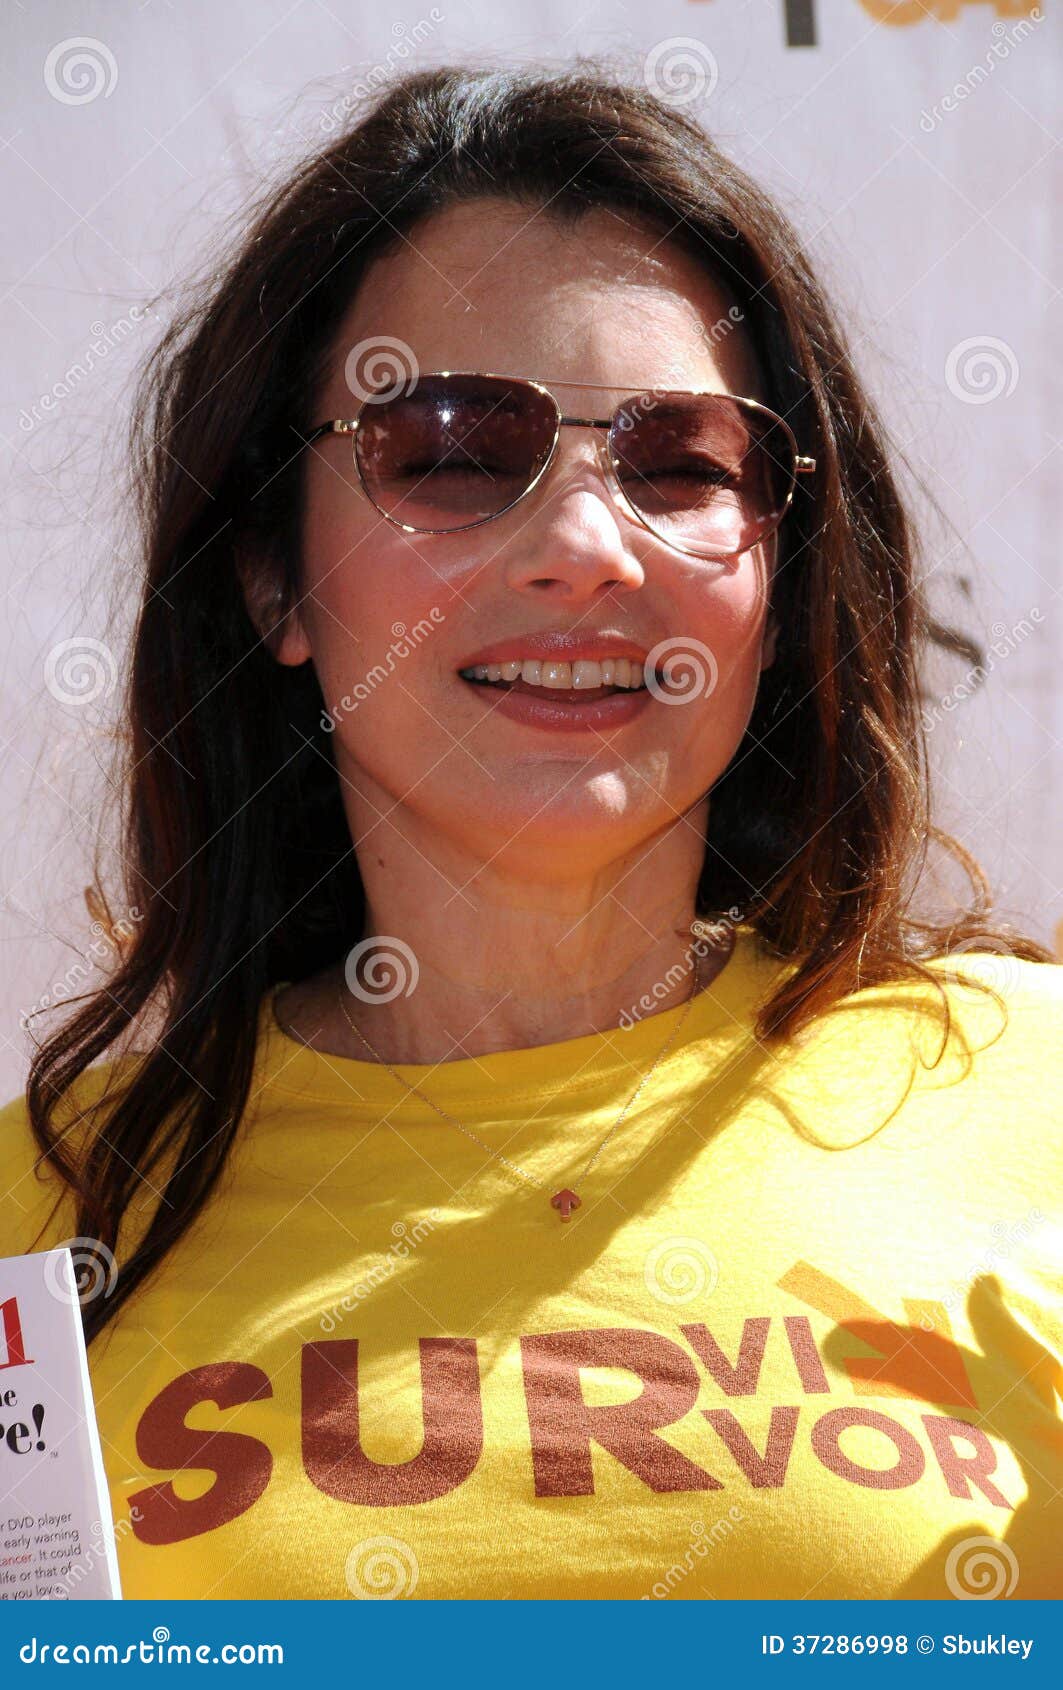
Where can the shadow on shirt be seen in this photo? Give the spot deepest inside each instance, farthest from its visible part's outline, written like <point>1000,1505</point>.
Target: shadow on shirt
<point>1017,1392</point>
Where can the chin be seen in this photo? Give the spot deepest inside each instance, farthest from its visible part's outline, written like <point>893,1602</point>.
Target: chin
<point>592,820</point>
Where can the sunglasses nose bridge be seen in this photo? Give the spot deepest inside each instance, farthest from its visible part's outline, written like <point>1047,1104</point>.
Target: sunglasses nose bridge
<point>601,433</point>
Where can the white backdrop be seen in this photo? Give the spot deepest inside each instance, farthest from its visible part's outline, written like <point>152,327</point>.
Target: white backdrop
<point>913,145</point>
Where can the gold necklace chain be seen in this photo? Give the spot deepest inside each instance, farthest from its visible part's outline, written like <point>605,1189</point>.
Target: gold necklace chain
<point>567,1199</point>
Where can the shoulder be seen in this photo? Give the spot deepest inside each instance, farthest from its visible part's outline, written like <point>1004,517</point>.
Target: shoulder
<point>29,1187</point>
<point>975,1041</point>
<point>987,996</point>
<point>1025,997</point>
<point>37,1207</point>
<point>1006,1037</point>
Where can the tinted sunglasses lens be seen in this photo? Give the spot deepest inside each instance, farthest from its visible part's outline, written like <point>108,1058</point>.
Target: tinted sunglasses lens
<point>707,470</point>
<point>455,450</point>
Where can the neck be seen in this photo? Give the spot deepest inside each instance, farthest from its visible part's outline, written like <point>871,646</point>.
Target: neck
<point>466,1021</point>
<point>502,961</point>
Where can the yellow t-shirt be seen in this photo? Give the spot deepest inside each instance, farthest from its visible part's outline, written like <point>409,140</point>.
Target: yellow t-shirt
<point>803,1338</point>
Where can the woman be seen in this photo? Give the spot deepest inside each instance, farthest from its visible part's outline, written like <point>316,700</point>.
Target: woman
<point>539,1151</point>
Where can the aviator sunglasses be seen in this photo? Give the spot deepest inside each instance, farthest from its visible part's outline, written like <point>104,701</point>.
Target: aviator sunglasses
<point>709,473</point>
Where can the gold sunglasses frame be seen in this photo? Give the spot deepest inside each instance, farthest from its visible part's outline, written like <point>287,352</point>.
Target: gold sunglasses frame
<point>349,426</point>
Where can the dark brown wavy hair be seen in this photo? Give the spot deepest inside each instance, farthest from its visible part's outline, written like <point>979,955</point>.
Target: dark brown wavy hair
<point>236,851</point>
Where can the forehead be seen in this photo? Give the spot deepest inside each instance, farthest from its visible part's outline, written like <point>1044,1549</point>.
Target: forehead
<point>501,286</point>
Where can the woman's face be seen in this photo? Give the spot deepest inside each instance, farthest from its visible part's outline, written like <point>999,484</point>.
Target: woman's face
<point>389,619</point>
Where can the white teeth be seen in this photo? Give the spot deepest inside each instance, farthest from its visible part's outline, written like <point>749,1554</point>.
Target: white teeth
<point>556,675</point>
<point>584,673</point>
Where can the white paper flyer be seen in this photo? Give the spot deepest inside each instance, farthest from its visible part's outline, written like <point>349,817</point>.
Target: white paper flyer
<point>56,1529</point>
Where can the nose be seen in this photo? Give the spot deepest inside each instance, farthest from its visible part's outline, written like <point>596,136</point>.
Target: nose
<point>569,543</point>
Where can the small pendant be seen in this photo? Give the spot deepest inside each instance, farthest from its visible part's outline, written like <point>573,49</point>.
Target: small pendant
<point>564,1201</point>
